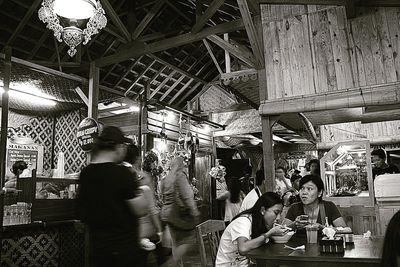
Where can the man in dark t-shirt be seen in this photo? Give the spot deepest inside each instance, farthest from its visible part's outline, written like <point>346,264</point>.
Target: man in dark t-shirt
<point>106,192</point>
<point>378,158</point>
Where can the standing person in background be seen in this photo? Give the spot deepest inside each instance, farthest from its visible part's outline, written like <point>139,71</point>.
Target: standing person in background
<point>233,199</point>
<point>314,167</point>
<point>108,203</point>
<point>391,245</point>
<point>245,180</point>
<point>150,228</point>
<point>253,195</point>
<point>379,165</point>
<point>179,210</point>
<point>282,184</point>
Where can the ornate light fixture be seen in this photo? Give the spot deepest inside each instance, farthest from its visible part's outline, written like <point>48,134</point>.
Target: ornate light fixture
<point>68,19</point>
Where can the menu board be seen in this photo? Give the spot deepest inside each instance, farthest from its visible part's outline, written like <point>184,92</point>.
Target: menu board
<point>32,154</point>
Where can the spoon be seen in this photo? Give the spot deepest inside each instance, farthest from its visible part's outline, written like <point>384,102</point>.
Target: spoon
<point>296,248</point>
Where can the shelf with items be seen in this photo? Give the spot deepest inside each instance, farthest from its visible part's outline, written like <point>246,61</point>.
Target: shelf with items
<point>347,174</point>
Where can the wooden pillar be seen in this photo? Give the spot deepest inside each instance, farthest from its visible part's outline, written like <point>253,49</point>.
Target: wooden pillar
<point>268,154</point>
<point>93,96</point>
<point>4,114</point>
<point>227,56</point>
<point>93,91</point>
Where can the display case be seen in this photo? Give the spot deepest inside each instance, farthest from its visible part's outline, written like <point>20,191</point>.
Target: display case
<point>347,174</point>
<point>50,199</point>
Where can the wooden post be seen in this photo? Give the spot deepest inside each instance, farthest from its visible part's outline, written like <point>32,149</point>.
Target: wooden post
<point>93,96</point>
<point>4,126</point>
<point>268,154</point>
<point>4,113</point>
<point>227,57</point>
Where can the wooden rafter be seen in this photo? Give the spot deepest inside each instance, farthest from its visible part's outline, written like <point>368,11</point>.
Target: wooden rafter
<point>177,10</point>
<point>128,70</point>
<point>189,93</point>
<point>235,92</point>
<point>176,68</point>
<point>372,95</point>
<point>23,22</point>
<point>201,21</point>
<point>162,84</point>
<point>115,19</point>
<point>178,81</point>
<point>136,49</point>
<point>39,44</point>
<point>140,75</point>
<point>244,55</point>
<point>255,41</point>
<point>207,45</point>
<point>180,91</point>
<point>147,19</point>
<point>151,80</point>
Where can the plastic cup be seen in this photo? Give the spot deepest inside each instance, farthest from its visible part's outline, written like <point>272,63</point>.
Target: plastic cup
<point>312,233</point>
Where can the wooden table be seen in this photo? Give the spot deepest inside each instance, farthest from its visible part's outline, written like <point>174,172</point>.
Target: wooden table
<point>364,252</point>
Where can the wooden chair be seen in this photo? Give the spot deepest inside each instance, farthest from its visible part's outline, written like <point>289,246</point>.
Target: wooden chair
<point>212,230</point>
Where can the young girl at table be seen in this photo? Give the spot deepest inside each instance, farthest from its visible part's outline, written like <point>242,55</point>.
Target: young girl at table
<point>312,209</point>
<point>250,229</point>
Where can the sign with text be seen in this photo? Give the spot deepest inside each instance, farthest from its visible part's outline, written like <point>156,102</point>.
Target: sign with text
<point>31,154</point>
<point>88,130</point>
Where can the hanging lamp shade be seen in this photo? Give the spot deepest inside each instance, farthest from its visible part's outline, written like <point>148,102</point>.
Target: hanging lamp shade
<point>73,21</point>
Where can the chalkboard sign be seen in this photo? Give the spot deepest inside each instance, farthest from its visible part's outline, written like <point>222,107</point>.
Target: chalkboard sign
<point>32,154</point>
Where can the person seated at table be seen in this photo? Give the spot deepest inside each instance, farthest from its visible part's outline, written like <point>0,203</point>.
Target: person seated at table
<point>282,184</point>
<point>379,164</point>
<point>312,209</point>
<point>250,229</point>
<point>391,245</point>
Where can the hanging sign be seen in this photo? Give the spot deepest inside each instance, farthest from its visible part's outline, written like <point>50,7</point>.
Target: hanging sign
<point>88,130</point>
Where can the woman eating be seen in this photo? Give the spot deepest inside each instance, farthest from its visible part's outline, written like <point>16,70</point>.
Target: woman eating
<point>250,229</point>
<point>312,209</point>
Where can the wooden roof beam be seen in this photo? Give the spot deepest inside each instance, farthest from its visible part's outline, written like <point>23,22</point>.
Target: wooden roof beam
<point>180,91</point>
<point>202,20</point>
<point>177,10</point>
<point>372,95</point>
<point>128,70</point>
<point>255,42</point>
<point>24,21</point>
<point>162,84</point>
<point>214,59</point>
<point>140,75</point>
<point>176,68</point>
<point>115,19</point>
<point>147,19</point>
<point>235,92</point>
<point>239,52</point>
<point>172,87</point>
<point>189,93</point>
<point>136,48</point>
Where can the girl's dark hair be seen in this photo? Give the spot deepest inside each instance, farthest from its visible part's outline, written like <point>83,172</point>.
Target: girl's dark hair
<point>391,245</point>
<point>316,162</point>
<point>267,200</point>
<point>18,165</point>
<point>234,189</point>
<point>315,179</point>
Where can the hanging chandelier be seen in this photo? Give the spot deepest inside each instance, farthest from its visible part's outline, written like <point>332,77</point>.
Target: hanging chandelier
<point>73,21</point>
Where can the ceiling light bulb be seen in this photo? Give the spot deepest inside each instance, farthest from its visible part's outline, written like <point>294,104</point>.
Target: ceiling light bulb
<point>75,9</point>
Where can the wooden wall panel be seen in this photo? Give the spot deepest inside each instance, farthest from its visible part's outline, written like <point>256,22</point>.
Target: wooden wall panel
<point>357,130</point>
<point>317,49</point>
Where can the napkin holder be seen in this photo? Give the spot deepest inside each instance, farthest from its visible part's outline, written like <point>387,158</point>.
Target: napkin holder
<point>334,245</point>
